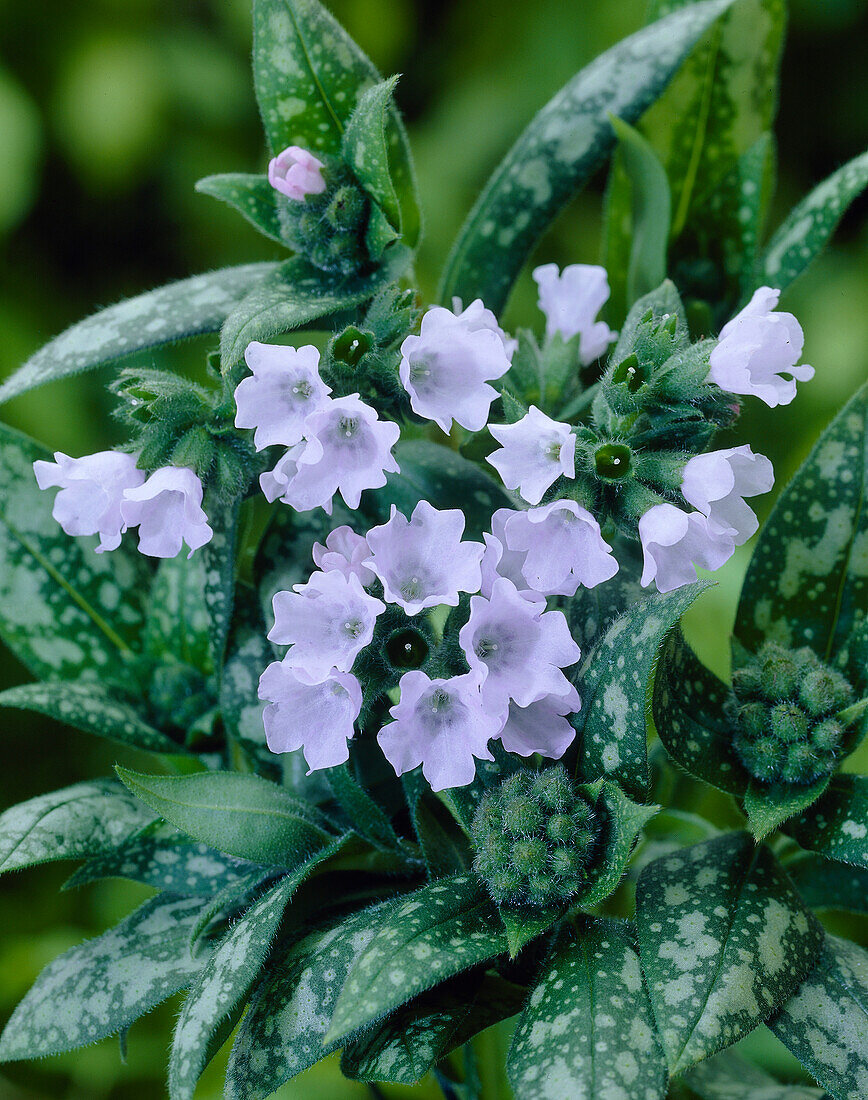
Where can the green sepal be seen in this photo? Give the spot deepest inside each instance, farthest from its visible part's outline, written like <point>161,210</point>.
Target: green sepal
<point>836,825</point>
<point>587,1028</point>
<point>724,940</point>
<point>560,149</point>
<point>241,815</point>
<point>645,317</point>
<point>251,195</point>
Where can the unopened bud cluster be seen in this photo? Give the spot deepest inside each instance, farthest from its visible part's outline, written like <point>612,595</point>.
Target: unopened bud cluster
<point>536,839</point>
<point>787,707</point>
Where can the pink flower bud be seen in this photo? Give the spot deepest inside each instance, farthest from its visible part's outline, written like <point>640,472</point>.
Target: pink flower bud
<point>296,173</point>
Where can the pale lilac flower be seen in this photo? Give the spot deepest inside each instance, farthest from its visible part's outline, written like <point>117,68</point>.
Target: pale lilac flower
<point>447,368</point>
<point>311,713</point>
<point>347,449</point>
<point>673,542</point>
<point>571,301</point>
<point>533,454</point>
<point>541,727</point>
<point>516,647</point>
<point>91,490</point>
<point>285,387</point>
<point>498,560</point>
<point>328,621</point>
<point>275,484</point>
<point>422,561</point>
<point>758,349</point>
<point>564,548</point>
<point>476,316</point>
<point>296,173</point>
<point>717,483</point>
<point>167,510</point>
<point>440,724</point>
<point>344,551</point>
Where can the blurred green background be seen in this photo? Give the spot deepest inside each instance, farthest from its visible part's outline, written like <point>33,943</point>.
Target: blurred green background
<point>110,110</point>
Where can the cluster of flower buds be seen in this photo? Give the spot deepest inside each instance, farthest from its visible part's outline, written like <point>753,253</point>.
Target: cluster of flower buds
<point>790,712</point>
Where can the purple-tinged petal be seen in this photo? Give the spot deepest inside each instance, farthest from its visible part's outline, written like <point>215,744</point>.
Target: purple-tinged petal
<point>167,510</point>
<point>571,301</point>
<point>564,548</point>
<point>534,453</point>
<point>674,542</point>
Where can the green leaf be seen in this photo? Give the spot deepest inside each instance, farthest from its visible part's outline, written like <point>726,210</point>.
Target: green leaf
<point>92,708</point>
<point>444,845</point>
<point>251,195</point>
<point>436,932</point>
<point>825,1024</point>
<point>158,856</point>
<point>101,986</point>
<point>283,1032</point>
<point>724,940</point>
<point>836,825</point>
<point>64,610</point>
<point>806,230</point>
<point>613,683</point>
<point>218,561</point>
<point>560,149</point>
<point>442,477</point>
<point>651,211</point>
<point>173,312</point>
<point>309,76</point>
<point>293,296</point>
<point>178,625</point>
<point>365,814</point>
<point>587,1029</point>
<point>78,821</point>
<point>824,884</point>
<point>240,706</point>
<point>223,986</point>
<point>687,705</point>
<point>768,807</point>
<point>727,1076</point>
<point>366,150</point>
<point>624,819</point>
<point>807,583</point>
<point>242,815</point>
<point>525,924</point>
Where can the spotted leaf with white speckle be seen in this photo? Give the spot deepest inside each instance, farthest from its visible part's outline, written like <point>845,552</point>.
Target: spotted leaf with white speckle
<point>102,985</point>
<point>365,148</point>
<point>827,885</point>
<point>613,685</point>
<point>836,825</point>
<point>727,1076</point>
<point>587,1030</point>
<point>724,940</point>
<point>825,1024</point>
<point>251,195</point>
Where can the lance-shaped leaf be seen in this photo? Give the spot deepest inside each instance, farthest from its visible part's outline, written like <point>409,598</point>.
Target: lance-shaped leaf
<point>560,149</point>
<point>688,714</point>
<point>366,815</point>
<point>218,560</point>
<point>808,227</point>
<point>101,986</point>
<point>251,195</point>
<point>365,146</point>
<point>836,825</point>
<point>284,1029</point>
<point>241,815</point>
<point>178,625</point>
<point>77,821</point>
<point>434,934</point>
<point>724,941</point>
<point>223,986</point>
<point>824,884</point>
<point>64,610</point>
<point>91,708</point>
<point>294,296</point>
<point>807,583</point>
<point>444,845</point>
<point>309,75</point>
<point>158,856</point>
<point>587,1029</point>
<point>613,684</point>
<point>173,312</point>
<point>825,1024</point>
<point>727,1076</point>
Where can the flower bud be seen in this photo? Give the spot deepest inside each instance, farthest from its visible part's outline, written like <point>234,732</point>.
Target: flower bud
<point>824,691</point>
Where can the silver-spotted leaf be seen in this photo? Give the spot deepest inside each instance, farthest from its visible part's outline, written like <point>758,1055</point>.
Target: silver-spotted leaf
<point>587,1029</point>
<point>560,149</point>
<point>241,815</point>
<point>365,146</point>
<point>825,1023</point>
<point>219,566</point>
<point>81,820</point>
<point>836,825</point>
<point>727,1076</point>
<point>101,986</point>
<point>807,582</point>
<point>251,195</point>
<point>724,941</point>
<point>65,611</point>
<point>223,985</point>
<point>613,684</point>
<point>177,625</point>
<point>173,312</point>
<point>91,708</point>
<point>808,227</point>
<point>824,884</point>
<point>435,933</point>
<point>768,806</point>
